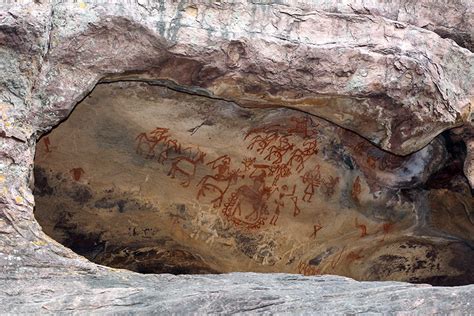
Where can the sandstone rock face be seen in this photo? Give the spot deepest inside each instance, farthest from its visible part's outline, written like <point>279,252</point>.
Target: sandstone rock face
<point>153,180</point>
<point>237,136</point>
<point>449,19</point>
<point>412,81</point>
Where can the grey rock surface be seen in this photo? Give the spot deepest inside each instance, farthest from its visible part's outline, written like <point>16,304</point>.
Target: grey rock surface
<point>248,293</point>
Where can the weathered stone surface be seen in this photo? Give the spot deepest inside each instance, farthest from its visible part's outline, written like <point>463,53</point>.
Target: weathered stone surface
<point>449,19</point>
<point>391,82</point>
<point>413,81</point>
<point>249,293</point>
<point>153,180</point>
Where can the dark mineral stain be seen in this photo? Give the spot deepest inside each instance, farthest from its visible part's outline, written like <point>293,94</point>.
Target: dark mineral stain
<point>181,208</point>
<point>42,186</point>
<point>348,162</point>
<point>444,280</point>
<point>253,88</point>
<point>246,244</point>
<point>317,260</point>
<point>207,74</point>
<point>390,258</point>
<point>244,114</point>
<point>412,244</point>
<point>432,254</point>
<point>105,203</point>
<point>459,271</point>
<point>385,265</point>
<point>419,264</point>
<point>173,261</point>
<point>64,221</point>
<point>121,205</point>
<point>80,194</point>
<point>108,203</point>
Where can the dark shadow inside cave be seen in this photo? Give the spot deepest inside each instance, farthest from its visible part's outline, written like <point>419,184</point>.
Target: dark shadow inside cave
<point>154,180</point>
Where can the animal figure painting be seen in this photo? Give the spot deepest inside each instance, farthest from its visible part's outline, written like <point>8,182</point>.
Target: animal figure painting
<point>251,192</point>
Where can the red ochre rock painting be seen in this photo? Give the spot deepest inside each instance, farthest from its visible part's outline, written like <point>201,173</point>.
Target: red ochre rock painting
<point>250,193</point>
<point>77,173</point>
<point>267,190</point>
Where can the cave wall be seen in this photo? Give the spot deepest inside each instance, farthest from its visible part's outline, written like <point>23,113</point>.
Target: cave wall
<point>146,178</point>
<point>377,70</point>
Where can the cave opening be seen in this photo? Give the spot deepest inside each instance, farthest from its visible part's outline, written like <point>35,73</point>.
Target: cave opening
<point>156,180</point>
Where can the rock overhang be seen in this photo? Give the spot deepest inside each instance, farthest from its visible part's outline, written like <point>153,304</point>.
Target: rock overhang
<point>415,82</point>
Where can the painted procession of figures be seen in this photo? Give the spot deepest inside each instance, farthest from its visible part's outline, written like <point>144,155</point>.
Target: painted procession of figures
<point>250,193</point>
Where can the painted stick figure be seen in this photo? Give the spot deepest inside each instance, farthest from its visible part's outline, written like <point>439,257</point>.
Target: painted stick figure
<point>285,192</point>
<point>316,229</point>
<point>47,143</point>
<point>356,190</point>
<point>312,179</point>
<point>77,173</point>
<point>362,227</point>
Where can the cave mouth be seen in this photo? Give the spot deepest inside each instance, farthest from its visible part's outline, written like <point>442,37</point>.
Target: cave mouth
<point>154,180</point>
